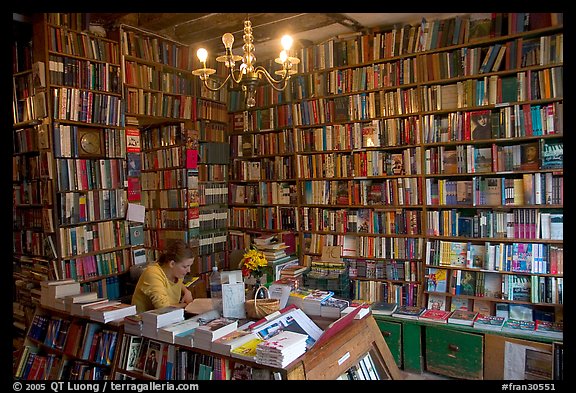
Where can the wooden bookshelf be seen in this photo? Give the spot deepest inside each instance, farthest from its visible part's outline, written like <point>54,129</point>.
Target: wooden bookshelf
<point>182,127</point>
<point>382,134</point>
<point>87,144</point>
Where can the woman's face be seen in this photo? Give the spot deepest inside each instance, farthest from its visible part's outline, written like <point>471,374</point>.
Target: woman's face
<point>180,269</point>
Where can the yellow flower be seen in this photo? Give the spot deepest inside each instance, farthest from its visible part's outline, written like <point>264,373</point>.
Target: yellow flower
<point>252,263</point>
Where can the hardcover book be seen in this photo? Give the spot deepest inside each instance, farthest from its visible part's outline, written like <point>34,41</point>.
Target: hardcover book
<point>483,159</point>
<point>529,156</point>
<point>437,301</point>
<point>480,124</point>
<point>552,154</point>
<point>437,280</point>
<point>134,164</point>
<point>462,317</point>
<point>408,312</point>
<point>383,308</point>
<point>136,235</point>
<point>431,315</point>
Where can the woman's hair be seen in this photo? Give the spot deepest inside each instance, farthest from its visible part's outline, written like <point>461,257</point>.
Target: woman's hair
<point>176,251</point>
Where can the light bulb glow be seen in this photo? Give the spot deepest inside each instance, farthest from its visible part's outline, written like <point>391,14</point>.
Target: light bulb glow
<point>283,56</point>
<point>228,40</point>
<point>202,55</point>
<point>286,42</point>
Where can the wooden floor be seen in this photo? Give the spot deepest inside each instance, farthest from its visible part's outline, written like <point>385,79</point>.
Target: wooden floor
<point>423,376</point>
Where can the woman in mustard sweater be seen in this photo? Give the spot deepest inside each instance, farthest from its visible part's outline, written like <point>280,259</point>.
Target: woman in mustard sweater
<point>161,283</point>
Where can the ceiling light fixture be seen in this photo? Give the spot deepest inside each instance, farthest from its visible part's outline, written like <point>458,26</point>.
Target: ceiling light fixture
<point>248,76</point>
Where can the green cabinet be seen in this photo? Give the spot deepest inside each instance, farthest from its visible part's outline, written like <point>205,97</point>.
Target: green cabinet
<point>453,353</point>
<point>392,333</point>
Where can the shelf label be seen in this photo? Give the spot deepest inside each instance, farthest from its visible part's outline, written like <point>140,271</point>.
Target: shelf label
<point>343,358</point>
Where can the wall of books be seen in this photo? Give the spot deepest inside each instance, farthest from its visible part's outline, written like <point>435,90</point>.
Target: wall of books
<point>431,153</point>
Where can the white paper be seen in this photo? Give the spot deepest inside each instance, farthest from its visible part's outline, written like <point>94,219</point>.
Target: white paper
<point>135,212</point>
<point>231,277</point>
<point>281,292</point>
<point>233,298</point>
<point>515,360</point>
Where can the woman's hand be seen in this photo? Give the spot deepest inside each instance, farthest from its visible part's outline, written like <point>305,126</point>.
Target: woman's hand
<point>186,296</point>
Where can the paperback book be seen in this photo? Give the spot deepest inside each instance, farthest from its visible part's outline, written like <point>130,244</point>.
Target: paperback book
<point>489,322</point>
<point>518,326</point>
<point>549,329</point>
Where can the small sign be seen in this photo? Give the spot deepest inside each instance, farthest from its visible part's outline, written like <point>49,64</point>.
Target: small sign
<point>331,253</point>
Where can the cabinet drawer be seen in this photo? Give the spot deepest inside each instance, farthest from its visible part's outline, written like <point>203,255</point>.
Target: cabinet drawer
<point>455,354</point>
<point>392,333</point>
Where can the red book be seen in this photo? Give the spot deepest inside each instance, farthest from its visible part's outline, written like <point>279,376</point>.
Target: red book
<point>438,316</point>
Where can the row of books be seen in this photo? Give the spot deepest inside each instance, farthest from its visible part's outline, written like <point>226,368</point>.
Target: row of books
<point>501,257</point>
<point>471,318</point>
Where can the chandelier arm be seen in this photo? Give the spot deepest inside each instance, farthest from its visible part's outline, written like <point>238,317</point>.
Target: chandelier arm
<point>262,71</point>
<point>231,74</point>
<point>219,87</point>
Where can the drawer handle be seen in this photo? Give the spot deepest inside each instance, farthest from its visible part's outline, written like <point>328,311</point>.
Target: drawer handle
<point>386,334</point>
<point>453,347</point>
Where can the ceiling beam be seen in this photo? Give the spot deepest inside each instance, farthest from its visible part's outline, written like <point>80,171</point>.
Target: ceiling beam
<point>347,21</point>
<point>266,27</point>
<point>166,21</point>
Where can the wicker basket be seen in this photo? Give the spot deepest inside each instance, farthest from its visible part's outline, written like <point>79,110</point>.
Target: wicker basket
<point>259,308</point>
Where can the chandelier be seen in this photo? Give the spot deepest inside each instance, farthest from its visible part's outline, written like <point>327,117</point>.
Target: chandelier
<point>248,76</point>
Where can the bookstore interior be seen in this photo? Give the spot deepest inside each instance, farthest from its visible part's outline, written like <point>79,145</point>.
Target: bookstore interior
<point>381,201</point>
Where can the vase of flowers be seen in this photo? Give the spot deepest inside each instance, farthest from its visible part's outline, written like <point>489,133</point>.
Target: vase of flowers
<point>252,265</point>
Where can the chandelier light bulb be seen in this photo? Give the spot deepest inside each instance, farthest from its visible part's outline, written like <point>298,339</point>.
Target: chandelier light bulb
<point>202,55</point>
<point>228,40</point>
<point>286,42</point>
<point>283,56</point>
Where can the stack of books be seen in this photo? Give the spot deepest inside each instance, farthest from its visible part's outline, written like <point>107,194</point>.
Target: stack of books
<point>247,350</point>
<point>160,317</point>
<point>312,303</point>
<point>186,337</point>
<point>77,308</point>
<point>293,271</point>
<point>169,332</point>
<point>133,324</point>
<point>112,312</point>
<point>88,311</point>
<point>264,240</point>
<point>281,349</point>
<point>289,318</point>
<point>232,340</point>
<point>52,289</point>
<point>332,307</point>
<point>274,255</point>
<point>85,297</point>
<point>205,334</point>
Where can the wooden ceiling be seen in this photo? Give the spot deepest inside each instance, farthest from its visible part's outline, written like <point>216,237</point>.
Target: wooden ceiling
<point>206,29</point>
